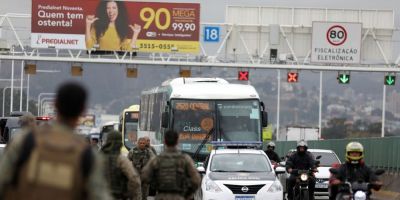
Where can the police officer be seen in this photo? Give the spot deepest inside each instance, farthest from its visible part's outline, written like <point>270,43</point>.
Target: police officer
<point>354,169</point>
<point>27,121</point>
<point>139,156</point>
<point>272,155</point>
<point>123,180</point>
<point>172,172</point>
<point>152,191</point>
<point>148,145</point>
<point>27,166</point>
<point>300,160</point>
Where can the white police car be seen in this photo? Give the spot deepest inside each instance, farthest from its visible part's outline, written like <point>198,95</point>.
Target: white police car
<point>240,174</point>
<point>328,159</point>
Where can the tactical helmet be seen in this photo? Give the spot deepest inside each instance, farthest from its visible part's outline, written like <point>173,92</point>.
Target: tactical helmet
<point>113,142</point>
<point>271,144</point>
<point>354,147</point>
<point>302,143</point>
<point>27,120</point>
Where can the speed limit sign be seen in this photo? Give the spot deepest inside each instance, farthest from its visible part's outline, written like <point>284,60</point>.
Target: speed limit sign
<point>336,35</point>
<point>336,42</point>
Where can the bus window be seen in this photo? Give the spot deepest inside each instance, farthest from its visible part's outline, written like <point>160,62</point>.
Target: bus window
<point>239,120</point>
<point>130,129</point>
<point>193,120</point>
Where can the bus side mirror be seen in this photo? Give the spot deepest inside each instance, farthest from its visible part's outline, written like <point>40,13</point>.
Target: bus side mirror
<point>164,120</point>
<point>264,118</point>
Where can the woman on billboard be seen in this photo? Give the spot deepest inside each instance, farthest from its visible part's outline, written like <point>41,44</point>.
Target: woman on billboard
<point>109,29</point>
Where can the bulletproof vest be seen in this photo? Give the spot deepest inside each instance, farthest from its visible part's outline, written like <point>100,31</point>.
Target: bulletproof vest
<point>140,158</point>
<point>117,181</point>
<point>170,173</point>
<point>53,168</point>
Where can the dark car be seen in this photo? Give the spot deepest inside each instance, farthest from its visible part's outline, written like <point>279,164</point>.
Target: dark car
<point>9,128</point>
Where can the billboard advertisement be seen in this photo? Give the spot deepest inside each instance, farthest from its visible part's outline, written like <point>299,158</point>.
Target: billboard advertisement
<point>116,25</point>
<point>336,42</point>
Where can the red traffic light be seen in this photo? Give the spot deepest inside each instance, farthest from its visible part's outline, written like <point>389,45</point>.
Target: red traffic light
<point>243,75</point>
<point>292,77</point>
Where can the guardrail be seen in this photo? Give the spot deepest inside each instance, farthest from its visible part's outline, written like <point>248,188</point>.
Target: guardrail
<point>379,152</point>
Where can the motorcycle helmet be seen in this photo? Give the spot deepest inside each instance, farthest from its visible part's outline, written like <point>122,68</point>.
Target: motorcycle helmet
<point>271,144</point>
<point>302,143</point>
<point>354,147</point>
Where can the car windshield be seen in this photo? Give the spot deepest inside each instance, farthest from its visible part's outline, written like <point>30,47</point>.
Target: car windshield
<point>239,162</point>
<point>327,158</point>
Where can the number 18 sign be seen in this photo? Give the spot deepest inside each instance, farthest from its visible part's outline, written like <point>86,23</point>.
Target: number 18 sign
<point>211,34</point>
<point>336,42</point>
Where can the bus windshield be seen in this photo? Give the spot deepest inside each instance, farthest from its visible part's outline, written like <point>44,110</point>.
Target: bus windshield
<point>237,120</point>
<point>193,119</point>
<point>130,129</point>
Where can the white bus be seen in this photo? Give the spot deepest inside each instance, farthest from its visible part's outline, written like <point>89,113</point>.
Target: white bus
<point>198,107</point>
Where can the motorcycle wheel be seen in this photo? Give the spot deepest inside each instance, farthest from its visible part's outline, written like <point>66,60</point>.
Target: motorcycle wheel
<point>304,195</point>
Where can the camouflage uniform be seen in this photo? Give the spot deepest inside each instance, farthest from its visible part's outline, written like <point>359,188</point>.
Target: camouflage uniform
<point>123,179</point>
<point>148,145</point>
<point>181,166</point>
<point>95,186</point>
<point>139,159</point>
<point>152,149</point>
<point>152,191</point>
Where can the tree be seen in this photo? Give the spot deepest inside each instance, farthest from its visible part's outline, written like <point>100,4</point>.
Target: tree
<point>336,129</point>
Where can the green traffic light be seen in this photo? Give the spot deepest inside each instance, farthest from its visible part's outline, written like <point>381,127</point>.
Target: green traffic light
<point>344,78</point>
<point>390,79</point>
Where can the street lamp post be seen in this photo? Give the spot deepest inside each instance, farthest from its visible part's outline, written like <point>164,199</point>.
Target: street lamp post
<point>4,89</point>
<point>27,93</point>
<point>12,82</point>
<point>28,84</point>
<point>21,85</point>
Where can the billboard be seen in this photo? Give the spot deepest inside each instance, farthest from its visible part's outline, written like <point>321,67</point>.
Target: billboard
<point>336,42</point>
<point>87,120</point>
<point>115,25</point>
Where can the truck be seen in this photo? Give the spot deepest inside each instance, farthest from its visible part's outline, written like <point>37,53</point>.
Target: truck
<point>296,133</point>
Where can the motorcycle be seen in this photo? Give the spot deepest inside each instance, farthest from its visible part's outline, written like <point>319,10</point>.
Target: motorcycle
<point>300,190</point>
<point>358,190</point>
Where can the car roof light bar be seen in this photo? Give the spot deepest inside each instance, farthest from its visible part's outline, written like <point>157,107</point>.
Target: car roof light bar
<point>236,144</point>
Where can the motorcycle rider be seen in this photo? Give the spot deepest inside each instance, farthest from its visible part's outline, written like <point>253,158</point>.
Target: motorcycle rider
<point>354,169</point>
<point>300,160</point>
<point>272,155</point>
